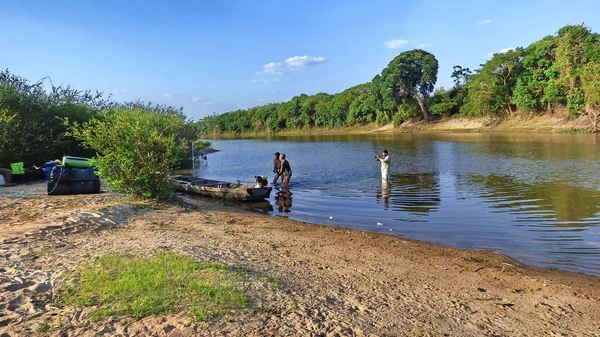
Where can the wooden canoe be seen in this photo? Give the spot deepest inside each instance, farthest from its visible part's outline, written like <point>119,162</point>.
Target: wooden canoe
<point>220,189</point>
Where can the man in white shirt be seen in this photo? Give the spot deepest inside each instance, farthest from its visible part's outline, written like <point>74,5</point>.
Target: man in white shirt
<point>385,165</point>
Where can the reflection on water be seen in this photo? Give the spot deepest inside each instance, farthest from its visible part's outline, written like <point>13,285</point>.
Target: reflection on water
<point>548,204</point>
<point>283,200</point>
<point>417,194</point>
<point>534,197</point>
<point>383,194</point>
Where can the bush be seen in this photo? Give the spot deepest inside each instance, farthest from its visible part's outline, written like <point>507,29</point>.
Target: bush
<point>137,147</point>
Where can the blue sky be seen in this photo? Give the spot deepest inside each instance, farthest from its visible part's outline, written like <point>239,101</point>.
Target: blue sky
<point>215,56</point>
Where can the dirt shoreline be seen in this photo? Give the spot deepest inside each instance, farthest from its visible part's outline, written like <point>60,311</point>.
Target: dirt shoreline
<point>334,281</point>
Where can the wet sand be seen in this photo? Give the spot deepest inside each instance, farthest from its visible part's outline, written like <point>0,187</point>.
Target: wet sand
<point>334,281</point>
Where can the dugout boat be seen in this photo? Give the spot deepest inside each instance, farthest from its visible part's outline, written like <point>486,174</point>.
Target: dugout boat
<point>220,189</point>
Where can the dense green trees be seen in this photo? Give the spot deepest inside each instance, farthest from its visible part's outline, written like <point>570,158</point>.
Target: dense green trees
<point>31,119</point>
<point>561,70</point>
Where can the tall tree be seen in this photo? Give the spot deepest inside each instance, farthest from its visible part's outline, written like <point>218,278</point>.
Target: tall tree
<point>412,74</point>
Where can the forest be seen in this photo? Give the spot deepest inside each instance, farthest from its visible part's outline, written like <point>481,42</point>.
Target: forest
<point>560,72</point>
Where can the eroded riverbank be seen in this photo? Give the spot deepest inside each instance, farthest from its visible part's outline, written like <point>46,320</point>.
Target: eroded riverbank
<point>333,281</point>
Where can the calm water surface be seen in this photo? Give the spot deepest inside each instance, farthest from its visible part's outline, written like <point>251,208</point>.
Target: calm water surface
<point>534,197</point>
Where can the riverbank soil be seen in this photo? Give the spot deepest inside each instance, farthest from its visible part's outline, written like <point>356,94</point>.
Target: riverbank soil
<point>303,280</point>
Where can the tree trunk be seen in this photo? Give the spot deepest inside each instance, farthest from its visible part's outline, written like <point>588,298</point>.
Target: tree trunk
<point>423,109</point>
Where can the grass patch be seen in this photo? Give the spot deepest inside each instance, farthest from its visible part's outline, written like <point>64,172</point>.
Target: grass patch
<point>118,284</point>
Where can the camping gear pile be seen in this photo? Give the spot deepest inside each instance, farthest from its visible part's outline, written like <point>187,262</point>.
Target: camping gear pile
<point>76,175</point>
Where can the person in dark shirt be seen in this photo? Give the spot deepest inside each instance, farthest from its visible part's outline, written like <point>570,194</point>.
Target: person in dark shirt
<point>276,168</point>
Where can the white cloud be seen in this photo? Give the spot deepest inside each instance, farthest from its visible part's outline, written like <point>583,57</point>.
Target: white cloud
<point>267,80</point>
<point>395,44</point>
<point>424,45</point>
<point>118,91</point>
<point>483,22</point>
<point>168,95</point>
<point>290,64</point>
<point>501,51</point>
<point>261,100</point>
<point>297,62</point>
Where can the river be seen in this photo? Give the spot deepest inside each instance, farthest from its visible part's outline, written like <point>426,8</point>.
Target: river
<point>533,197</point>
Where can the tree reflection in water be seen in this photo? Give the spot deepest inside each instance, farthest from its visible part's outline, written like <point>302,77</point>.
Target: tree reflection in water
<point>551,203</point>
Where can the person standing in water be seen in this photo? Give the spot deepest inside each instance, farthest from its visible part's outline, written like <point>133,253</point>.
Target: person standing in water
<point>276,168</point>
<point>285,170</point>
<point>385,165</point>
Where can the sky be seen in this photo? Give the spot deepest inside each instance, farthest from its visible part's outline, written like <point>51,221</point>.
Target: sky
<point>215,56</point>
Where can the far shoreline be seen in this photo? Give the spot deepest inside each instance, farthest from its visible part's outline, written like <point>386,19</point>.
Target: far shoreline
<point>544,123</point>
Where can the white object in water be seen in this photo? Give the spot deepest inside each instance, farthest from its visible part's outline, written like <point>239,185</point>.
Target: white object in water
<point>331,217</point>
<point>390,229</point>
<point>379,224</point>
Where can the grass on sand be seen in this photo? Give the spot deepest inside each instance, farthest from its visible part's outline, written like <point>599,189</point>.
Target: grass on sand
<point>118,284</point>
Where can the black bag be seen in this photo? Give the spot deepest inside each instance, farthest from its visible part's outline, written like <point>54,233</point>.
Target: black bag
<point>58,189</point>
<point>60,174</point>
<point>82,174</point>
<point>85,187</point>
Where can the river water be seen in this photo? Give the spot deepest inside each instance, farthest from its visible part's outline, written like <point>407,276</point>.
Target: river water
<point>533,197</point>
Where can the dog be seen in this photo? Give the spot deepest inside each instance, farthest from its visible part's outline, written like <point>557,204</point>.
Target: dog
<point>261,181</point>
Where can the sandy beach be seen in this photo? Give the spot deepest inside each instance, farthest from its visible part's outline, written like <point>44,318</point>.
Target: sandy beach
<point>333,281</point>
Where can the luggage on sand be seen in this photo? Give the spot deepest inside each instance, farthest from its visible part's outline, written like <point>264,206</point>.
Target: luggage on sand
<point>76,175</point>
<point>58,189</point>
<point>77,162</point>
<point>82,174</point>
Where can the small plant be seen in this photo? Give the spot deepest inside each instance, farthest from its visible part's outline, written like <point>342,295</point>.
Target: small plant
<point>275,282</point>
<point>44,327</point>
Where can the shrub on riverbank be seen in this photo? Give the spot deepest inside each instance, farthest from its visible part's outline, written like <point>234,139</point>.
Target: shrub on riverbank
<point>137,146</point>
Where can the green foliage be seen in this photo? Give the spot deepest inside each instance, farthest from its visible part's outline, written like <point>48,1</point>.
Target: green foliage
<point>202,144</point>
<point>405,111</point>
<point>489,91</point>
<point>30,119</point>
<point>166,283</point>
<point>460,76</point>
<point>575,102</point>
<point>137,146</point>
<point>412,74</point>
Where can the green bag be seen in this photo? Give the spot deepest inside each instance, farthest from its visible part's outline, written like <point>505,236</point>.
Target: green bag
<point>17,168</point>
<point>77,162</point>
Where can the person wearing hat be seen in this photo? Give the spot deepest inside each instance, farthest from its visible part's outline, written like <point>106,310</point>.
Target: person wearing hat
<point>276,168</point>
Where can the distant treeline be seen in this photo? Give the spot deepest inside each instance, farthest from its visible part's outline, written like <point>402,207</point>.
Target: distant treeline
<point>558,71</point>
